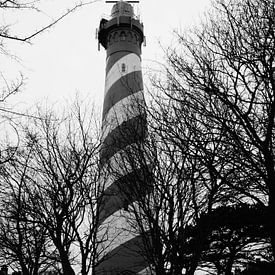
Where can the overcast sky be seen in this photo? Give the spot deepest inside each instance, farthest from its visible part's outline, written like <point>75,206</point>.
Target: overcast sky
<point>65,60</point>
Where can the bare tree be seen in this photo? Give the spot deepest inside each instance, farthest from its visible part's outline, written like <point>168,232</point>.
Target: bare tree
<point>199,147</point>
<point>219,89</point>
<point>21,7</point>
<point>58,173</point>
<point>25,245</point>
<point>8,33</point>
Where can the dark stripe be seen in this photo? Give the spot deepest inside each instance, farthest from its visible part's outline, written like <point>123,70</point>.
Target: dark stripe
<point>129,256</point>
<point>114,58</point>
<point>127,85</point>
<point>124,46</point>
<point>125,191</point>
<point>129,132</point>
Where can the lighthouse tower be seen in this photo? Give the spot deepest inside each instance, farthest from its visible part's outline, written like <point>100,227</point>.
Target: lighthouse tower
<point>123,128</point>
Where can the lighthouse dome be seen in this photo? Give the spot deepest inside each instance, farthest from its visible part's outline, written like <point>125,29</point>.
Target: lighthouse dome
<point>122,8</point>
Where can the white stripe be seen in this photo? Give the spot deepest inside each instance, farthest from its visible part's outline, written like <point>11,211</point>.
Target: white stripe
<point>118,166</point>
<point>133,64</point>
<point>118,230</point>
<point>126,109</point>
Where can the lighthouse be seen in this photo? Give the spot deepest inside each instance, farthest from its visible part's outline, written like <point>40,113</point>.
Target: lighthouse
<point>124,128</point>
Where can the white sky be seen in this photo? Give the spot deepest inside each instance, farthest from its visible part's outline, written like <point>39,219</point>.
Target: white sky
<point>64,60</point>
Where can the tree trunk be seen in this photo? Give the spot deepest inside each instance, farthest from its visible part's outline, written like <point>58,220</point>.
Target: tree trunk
<point>229,265</point>
<point>201,237</point>
<point>271,221</point>
<point>66,266</point>
<point>65,262</point>
<point>23,267</point>
<point>218,268</point>
<point>194,263</point>
<point>192,269</point>
<point>271,203</point>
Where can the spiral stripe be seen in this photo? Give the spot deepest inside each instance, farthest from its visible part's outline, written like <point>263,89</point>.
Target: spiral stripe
<point>120,165</point>
<point>124,127</point>
<point>124,191</point>
<point>125,86</point>
<point>126,257</point>
<point>115,72</point>
<point>127,108</point>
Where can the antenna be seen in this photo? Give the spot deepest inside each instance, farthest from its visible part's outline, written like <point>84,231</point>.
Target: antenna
<point>113,1</point>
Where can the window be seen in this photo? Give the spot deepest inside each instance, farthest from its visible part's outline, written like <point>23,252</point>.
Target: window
<point>122,36</point>
<point>123,68</point>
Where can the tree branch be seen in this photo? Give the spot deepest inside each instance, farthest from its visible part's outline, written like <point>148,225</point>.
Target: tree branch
<point>29,37</point>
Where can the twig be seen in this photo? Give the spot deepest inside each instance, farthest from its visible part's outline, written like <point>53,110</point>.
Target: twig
<point>28,38</point>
